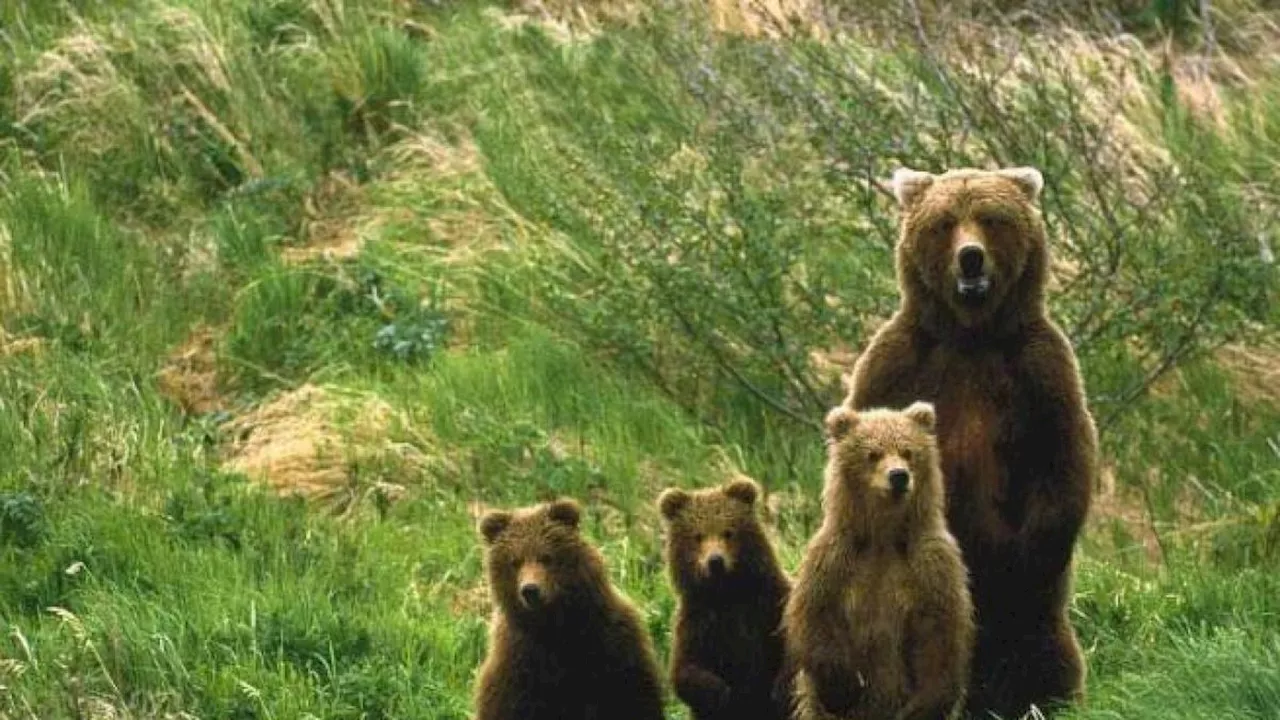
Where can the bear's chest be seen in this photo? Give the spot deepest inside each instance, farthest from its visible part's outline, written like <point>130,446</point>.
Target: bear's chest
<point>976,399</point>
<point>740,638</point>
<point>878,606</point>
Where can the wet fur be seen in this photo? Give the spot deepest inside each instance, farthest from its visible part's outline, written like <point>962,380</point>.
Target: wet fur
<point>727,648</point>
<point>586,654</point>
<point>1019,447</point>
<point>879,623</point>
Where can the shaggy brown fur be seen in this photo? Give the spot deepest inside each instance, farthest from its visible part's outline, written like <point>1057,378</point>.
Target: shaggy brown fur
<point>563,644</point>
<point>727,651</point>
<point>1019,447</point>
<point>880,623</point>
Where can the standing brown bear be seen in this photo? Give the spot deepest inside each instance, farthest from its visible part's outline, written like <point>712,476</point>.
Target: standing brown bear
<point>727,654</point>
<point>563,644</point>
<point>1019,447</point>
<point>880,622</point>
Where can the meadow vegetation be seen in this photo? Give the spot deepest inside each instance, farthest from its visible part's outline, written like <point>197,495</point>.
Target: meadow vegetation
<point>290,290</point>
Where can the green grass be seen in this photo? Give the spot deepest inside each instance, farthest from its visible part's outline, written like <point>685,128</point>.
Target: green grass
<point>512,307</point>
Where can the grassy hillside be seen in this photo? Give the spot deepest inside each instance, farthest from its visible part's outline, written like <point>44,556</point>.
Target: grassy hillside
<point>291,289</point>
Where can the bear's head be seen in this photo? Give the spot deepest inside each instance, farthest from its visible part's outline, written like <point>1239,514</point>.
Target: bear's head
<point>714,537</point>
<point>972,250</point>
<point>538,562</point>
<point>882,471</point>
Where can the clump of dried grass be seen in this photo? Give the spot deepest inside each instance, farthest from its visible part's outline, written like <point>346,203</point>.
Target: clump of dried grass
<point>76,84</point>
<point>1254,370</point>
<point>568,20</point>
<point>190,375</point>
<point>1125,506</point>
<point>311,441</point>
<point>10,345</point>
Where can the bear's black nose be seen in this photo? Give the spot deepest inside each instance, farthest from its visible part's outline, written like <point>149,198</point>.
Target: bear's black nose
<point>899,479</point>
<point>530,594</point>
<point>715,564</point>
<point>971,259</point>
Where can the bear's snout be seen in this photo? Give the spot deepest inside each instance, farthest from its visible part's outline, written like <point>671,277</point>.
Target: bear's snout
<point>971,267</point>
<point>715,564</point>
<point>971,259</point>
<point>715,558</point>
<point>531,581</point>
<point>899,481</point>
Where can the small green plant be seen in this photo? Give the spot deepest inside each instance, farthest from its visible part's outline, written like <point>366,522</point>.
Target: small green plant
<point>23,522</point>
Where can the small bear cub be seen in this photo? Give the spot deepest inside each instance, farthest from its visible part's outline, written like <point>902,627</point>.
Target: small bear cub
<point>880,621</point>
<point>727,651</point>
<point>563,644</point>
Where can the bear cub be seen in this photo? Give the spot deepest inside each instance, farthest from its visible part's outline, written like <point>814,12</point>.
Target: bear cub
<point>727,650</point>
<point>563,644</point>
<point>880,621</point>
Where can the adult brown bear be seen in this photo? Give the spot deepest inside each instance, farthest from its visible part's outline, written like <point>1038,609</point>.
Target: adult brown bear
<point>1019,447</point>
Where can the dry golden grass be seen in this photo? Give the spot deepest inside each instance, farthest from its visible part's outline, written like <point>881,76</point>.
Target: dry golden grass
<point>1254,370</point>
<point>190,375</point>
<point>1125,506</point>
<point>10,346</point>
<point>331,225</point>
<point>310,441</point>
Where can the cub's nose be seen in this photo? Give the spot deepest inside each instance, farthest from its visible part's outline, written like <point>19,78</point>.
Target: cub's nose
<point>715,564</point>
<point>530,594</point>
<point>971,259</point>
<point>899,479</point>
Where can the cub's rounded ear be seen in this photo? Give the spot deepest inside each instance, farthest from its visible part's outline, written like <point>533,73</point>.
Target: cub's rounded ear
<point>493,523</point>
<point>1028,179</point>
<point>744,490</point>
<point>922,414</point>
<point>565,511</point>
<point>839,421</point>
<point>671,501</point>
<point>909,185</point>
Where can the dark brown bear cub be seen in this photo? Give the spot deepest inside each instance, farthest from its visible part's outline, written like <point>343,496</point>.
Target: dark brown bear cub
<point>879,624</point>
<point>563,644</point>
<point>727,653</point>
<point>1019,448</point>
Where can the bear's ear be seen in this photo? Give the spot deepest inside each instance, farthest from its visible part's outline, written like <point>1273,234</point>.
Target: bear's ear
<point>671,502</point>
<point>909,185</point>
<point>922,414</point>
<point>565,511</point>
<point>1028,179</point>
<point>839,421</point>
<point>492,524</point>
<point>743,490</point>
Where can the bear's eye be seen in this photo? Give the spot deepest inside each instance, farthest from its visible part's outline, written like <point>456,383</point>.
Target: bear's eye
<point>992,222</point>
<point>699,537</point>
<point>728,534</point>
<point>906,455</point>
<point>544,559</point>
<point>874,455</point>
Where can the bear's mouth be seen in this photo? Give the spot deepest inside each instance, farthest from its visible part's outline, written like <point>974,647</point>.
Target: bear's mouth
<point>973,291</point>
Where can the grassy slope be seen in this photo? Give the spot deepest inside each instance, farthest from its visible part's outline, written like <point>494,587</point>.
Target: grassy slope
<point>161,160</point>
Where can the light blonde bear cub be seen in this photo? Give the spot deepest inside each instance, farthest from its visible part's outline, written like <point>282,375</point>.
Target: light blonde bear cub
<point>880,621</point>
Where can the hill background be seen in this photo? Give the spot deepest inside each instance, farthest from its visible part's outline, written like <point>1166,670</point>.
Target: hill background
<point>291,289</point>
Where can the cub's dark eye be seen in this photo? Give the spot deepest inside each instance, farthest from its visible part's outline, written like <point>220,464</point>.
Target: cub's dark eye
<point>699,537</point>
<point>728,534</point>
<point>874,456</point>
<point>906,455</point>
<point>544,559</point>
